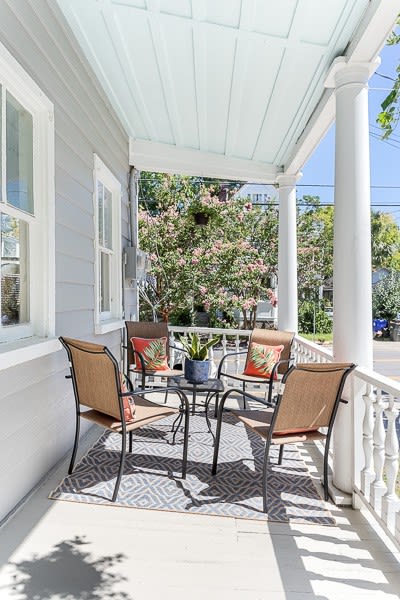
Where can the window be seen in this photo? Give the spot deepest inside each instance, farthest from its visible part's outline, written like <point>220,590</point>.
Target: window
<point>26,208</point>
<point>108,249</point>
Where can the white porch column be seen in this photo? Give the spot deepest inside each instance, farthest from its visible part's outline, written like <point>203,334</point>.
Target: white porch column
<point>287,254</point>
<point>352,331</point>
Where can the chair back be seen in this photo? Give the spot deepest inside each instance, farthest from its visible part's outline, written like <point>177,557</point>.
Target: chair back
<point>271,337</point>
<point>311,396</point>
<point>144,329</point>
<point>95,376</point>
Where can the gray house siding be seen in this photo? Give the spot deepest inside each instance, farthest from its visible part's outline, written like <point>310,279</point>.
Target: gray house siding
<point>36,403</point>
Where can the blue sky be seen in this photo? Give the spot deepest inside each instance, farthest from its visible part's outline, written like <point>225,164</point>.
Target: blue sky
<point>385,155</point>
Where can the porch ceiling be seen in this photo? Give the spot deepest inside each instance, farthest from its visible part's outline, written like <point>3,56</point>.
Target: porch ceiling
<point>228,88</point>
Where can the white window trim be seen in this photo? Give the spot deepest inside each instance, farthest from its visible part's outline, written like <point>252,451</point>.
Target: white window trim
<point>103,174</point>
<point>41,338</point>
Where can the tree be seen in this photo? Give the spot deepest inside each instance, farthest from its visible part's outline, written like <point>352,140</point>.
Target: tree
<point>388,118</point>
<point>315,245</point>
<point>385,241</point>
<point>223,267</point>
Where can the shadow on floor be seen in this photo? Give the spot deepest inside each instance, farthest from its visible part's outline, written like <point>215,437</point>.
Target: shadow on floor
<point>67,571</point>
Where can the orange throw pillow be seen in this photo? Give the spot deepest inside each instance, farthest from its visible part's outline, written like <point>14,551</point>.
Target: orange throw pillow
<point>153,351</point>
<point>261,360</point>
<point>295,431</point>
<point>128,401</point>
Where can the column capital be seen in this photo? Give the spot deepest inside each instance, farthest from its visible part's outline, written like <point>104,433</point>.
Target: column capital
<point>343,72</point>
<point>286,180</point>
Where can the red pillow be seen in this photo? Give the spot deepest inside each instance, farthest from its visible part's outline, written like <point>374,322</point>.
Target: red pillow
<point>261,360</point>
<point>128,401</point>
<point>298,430</point>
<point>153,351</point>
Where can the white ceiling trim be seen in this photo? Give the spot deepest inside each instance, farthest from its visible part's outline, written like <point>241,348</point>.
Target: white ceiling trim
<point>154,156</point>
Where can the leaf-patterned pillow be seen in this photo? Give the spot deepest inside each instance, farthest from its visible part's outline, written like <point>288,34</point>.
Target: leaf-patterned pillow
<point>261,360</point>
<point>128,401</point>
<point>153,351</point>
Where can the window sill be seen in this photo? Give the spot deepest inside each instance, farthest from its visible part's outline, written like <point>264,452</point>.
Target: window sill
<point>107,326</point>
<point>15,353</point>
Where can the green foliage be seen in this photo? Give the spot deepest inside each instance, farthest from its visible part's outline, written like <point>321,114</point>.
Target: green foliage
<point>194,347</point>
<point>313,319</point>
<point>385,241</point>
<point>386,297</point>
<point>315,245</point>
<point>223,266</point>
<point>182,317</point>
<point>226,266</point>
<point>388,118</point>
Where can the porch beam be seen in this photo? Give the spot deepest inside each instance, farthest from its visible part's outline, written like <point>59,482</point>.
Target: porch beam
<point>167,158</point>
<point>287,254</point>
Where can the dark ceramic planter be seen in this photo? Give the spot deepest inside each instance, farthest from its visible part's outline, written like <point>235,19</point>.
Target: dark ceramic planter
<point>201,218</point>
<point>196,371</point>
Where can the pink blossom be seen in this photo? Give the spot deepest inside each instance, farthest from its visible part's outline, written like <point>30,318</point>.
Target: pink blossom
<point>249,303</point>
<point>203,290</point>
<point>248,206</point>
<point>195,261</point>
<point>181,262</point>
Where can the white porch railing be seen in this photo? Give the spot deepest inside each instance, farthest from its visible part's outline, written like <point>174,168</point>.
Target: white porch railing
<point>378,446</point>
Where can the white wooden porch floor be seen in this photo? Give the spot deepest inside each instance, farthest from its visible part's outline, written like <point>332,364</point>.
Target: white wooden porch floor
<point>53,550</point>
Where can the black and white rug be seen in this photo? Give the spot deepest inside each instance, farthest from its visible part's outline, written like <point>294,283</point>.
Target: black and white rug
<point>152,475</point>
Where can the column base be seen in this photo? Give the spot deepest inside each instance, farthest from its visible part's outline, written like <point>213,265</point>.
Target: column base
<point>338,497</point>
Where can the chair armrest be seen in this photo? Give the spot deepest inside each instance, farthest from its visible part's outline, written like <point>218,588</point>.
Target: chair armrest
<point>246,395</point>
<point>277,364</point>
<point>219,371</point>
<point>141,359</point>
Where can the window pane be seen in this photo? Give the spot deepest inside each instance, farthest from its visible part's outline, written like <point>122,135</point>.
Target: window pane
<point>100,211</point>
<point>19,158</point>
<point>1,152</point>
<point>107,219</point>
<point>14,271</point>
<point>105,304</point>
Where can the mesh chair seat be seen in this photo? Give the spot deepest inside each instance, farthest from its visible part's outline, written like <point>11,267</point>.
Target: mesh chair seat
<point>308,402</point>
<point>146,412</point>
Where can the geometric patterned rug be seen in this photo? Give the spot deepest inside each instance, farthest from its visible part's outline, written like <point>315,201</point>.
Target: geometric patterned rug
<point>152,475</point>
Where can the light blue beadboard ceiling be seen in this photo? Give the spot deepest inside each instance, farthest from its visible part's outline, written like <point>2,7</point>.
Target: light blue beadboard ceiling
<point>231,80</point>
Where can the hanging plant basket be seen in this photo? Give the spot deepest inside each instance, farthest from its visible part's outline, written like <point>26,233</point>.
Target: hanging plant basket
<point>201,218</point>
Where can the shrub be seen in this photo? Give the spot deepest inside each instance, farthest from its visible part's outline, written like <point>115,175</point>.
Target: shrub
<point>323,324</point>
<point>386,297</point>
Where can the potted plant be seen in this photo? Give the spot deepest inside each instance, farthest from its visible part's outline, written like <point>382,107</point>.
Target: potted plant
<point>204,208</point>
<point>197,365</point>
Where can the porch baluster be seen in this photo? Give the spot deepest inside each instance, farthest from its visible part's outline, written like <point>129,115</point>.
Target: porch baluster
<point>367,474</point>
<point>391,501</point>
<point>378,487</point>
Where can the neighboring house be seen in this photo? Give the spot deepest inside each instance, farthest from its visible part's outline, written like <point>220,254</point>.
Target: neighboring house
<point>258,194</point>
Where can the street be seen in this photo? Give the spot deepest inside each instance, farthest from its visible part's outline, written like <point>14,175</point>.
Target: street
<point>387,358</point>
